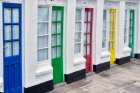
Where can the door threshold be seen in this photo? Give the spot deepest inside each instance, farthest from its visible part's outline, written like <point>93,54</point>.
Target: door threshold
<point>89,74</point>
<point>113,65</point>
<point>60,85</point>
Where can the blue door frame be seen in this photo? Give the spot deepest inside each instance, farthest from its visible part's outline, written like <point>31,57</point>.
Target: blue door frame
<point>12,47</point>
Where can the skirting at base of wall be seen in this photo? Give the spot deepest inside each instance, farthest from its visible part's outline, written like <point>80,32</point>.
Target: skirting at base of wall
<point>123,60</point>
<point>137,56</point>
<point>101,67</point>
<point>41,88</point>
<point>69,78</point>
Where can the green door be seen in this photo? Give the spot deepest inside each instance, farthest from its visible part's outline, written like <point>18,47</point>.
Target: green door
<point>131,31</point>
<point>57,43</point>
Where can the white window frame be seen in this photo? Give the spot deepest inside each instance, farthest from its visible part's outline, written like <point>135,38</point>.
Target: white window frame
<point>47,35</point>
<point>82,32</point>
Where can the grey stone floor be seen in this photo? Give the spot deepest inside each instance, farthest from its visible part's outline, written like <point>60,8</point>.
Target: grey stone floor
<point>119,79</point>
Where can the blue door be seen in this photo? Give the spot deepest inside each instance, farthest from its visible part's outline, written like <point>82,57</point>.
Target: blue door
<point>12,48</point>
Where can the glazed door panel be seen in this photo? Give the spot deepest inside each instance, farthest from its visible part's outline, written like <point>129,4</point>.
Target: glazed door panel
<point>88,38</point>
<point>112,33</point>
<point>57,43</point>
<point>131,31</point>
<point>12,48</point>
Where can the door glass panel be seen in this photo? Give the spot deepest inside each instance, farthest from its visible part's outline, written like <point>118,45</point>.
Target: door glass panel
<point>15,32</point>
<point>88,27</point>
<point>58,39</point>
<point>54,28</point>
<point>88,50</point>
<point>85,16</point>
<point>58,27</point>
<point>15,48</point>
<point>88,39</point>
<point>58,51</point>
<point>85,28</point>
<point>89,16</point>
<point>7,15</point>
<point>8,49</point>
<point>42,28</point>
<point>59,15</point>
<point>54,15</point>
<point>43,13</point>
<point>7,32</point>
<point>54,40</point>
<point>43,42</point>
<point>15,15</point>
<point>42,54</point>
<point>54,52</point>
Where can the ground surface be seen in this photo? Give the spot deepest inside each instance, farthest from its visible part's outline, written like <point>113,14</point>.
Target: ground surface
<point>119,79</point>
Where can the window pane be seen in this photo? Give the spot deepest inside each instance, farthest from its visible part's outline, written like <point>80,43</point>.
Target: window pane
<point>43,54</point>
<point>78,14</point>
<point>15,15</point>
<point>54,40</point>
<point>78,37</point>
<point>15,32</point>
<point>43,13</point>
<point>42,28</point>
<point>7,32</point>
<point>85,28</point>
<point>16,48</point>
<point>58,39</point>
<point>59,15</point>
<point>84,49</point>
<point>54,52</point>
<point>58,51</point>
<point>78,27</point>
<point>54,28</point>
<point>77,48</point>
<point>85,38</point>
<point>54,15</point>
<point>7,15</point>
<point>8,49</point>
<point>104,29</point>
<point>42,42</point>
<point>58,27</point>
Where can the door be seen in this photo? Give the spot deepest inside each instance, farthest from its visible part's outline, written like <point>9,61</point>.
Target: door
<point>131,31</point>
<point>57,43</point>
<point>12,54</point>
<point>88,38</point>
<point>112,32</point>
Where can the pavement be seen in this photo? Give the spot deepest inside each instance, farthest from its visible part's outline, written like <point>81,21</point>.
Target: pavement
<point>119,79</point>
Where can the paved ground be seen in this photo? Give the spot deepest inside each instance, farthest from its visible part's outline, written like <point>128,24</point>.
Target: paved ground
<point>119,79</point>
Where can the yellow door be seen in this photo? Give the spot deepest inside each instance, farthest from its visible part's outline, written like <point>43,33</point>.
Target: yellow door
<point>112,31</point>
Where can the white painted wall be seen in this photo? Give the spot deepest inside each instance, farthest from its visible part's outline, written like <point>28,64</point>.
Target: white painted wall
<point>35,72</point>
<point>138,31</point>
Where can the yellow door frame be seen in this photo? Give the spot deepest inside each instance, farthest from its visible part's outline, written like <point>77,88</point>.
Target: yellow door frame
<point>112,33</point>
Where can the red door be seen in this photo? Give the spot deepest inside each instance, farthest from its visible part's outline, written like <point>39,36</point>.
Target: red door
<point>88,38</point>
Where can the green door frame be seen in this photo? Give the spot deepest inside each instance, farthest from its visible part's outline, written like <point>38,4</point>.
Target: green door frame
<point>57,43</point>
<point>131,31</point>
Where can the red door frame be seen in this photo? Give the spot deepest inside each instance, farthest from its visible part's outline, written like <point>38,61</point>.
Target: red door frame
<point>88,34</point>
